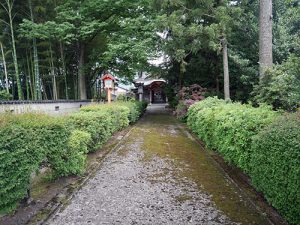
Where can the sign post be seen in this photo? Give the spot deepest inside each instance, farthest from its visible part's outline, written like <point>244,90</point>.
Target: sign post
<point>109,81</point>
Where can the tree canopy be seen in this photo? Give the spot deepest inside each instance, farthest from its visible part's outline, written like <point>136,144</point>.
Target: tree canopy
<point>57,49</point>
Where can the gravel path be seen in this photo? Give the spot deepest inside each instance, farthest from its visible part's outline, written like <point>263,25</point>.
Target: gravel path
<point>139,184</point>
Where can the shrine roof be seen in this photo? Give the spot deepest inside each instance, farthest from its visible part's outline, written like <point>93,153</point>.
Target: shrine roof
<point>147,82</point>
<point>109,77</point>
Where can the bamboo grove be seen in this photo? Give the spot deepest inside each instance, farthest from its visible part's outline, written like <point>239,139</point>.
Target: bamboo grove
<point>57,49</point>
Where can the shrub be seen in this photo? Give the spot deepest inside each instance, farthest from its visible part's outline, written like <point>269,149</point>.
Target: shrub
<point>121,97</point>
<point>99,124</point>
<point>200,123</point>
<point>70,157</point>
<point>102,120</point>
<point>188,96</point>
<point>141,106</point>
<point>76,154</point>
<point>5,96</point>
<point>20,155</point>
<point>136,109</point>
<point>275,165</point>
<point>134,112</point>
<point>181,111</point>
<point>263,144</point>
<point>119,114</point>
<point>27,141</point>
<point>170,92</point>
<point>132,109</point>
<point>280,86</point>
<point>228,127</point>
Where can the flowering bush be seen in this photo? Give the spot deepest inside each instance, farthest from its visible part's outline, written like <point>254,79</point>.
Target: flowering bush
<point>187,97</point>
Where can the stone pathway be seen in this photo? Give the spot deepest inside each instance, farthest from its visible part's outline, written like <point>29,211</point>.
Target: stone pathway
<point>159,175</point>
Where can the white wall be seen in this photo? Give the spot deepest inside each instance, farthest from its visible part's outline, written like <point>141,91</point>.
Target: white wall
<point>53,108</point>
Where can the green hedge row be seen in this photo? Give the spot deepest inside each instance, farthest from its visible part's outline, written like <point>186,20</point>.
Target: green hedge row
<point>229,127</point>
<point>276,165</point>
<point>30,140</point>
<point>262,143</point>
<point>135,110</point>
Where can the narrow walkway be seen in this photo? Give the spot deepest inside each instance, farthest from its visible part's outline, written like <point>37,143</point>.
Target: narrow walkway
<point>159,175</point>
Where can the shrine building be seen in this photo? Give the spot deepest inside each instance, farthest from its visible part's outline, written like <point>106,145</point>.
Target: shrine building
<point>150,90</point>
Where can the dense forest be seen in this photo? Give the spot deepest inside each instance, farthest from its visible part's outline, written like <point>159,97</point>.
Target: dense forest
<point>57,49</point>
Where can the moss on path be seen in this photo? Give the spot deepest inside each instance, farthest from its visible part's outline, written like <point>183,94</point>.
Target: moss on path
<point>167,138</point>
<point>159,175</point>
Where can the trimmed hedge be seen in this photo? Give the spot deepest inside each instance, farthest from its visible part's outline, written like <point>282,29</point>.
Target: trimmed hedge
<point>262,143</point>
<point>28,141</point>
<point>136,109</point>
<point>99,124</point>
<point>229,127</point>
<point>118,114</point>
<point>275,164</point>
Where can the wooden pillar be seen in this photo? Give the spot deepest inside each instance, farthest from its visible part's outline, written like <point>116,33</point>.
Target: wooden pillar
<point>108,95</point>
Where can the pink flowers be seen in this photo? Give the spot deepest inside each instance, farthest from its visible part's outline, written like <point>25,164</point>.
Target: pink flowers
<point>187,97</point>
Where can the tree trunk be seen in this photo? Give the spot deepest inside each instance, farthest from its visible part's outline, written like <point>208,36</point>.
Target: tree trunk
<point>38,94</point>
<point>29,76</point>
<point>81,76</point>
<point>44,90</point>
<point>54,85</point>
<point>62,55</point>
<point>182,70</point>
<point>13,87</point>
<point>218,84</point>
<point>33,76</point>
<point>265,36</point>
<point>13,42</point>
<point>5,69</point>
<point>27,85</point>
<point>226,69</point>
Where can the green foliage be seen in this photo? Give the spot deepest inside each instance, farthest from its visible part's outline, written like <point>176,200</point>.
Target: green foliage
<point>68,156</point>
<point>76,153</point>
<point>280,86</point>
<point>118,114</point>
<point>193,110</point>
<point>136,109</point>
<point>20,155</point>
<point>122,98</point>
<point>275,165</point>
<point>132,109</point>
<point>263,144</point>
<point>181,111</point>
<point>99,125</point>
<point>188,96</point>
<point>26,142</point>
<point>228,127</point>
<point>5,96</point>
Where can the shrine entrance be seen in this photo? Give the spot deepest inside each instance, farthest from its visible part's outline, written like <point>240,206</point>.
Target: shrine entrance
<point>156,92</point>
<point>158,96</point>
<point>150,90</point>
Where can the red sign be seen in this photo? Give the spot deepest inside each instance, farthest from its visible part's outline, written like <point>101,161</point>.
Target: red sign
<point>108,80</point>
